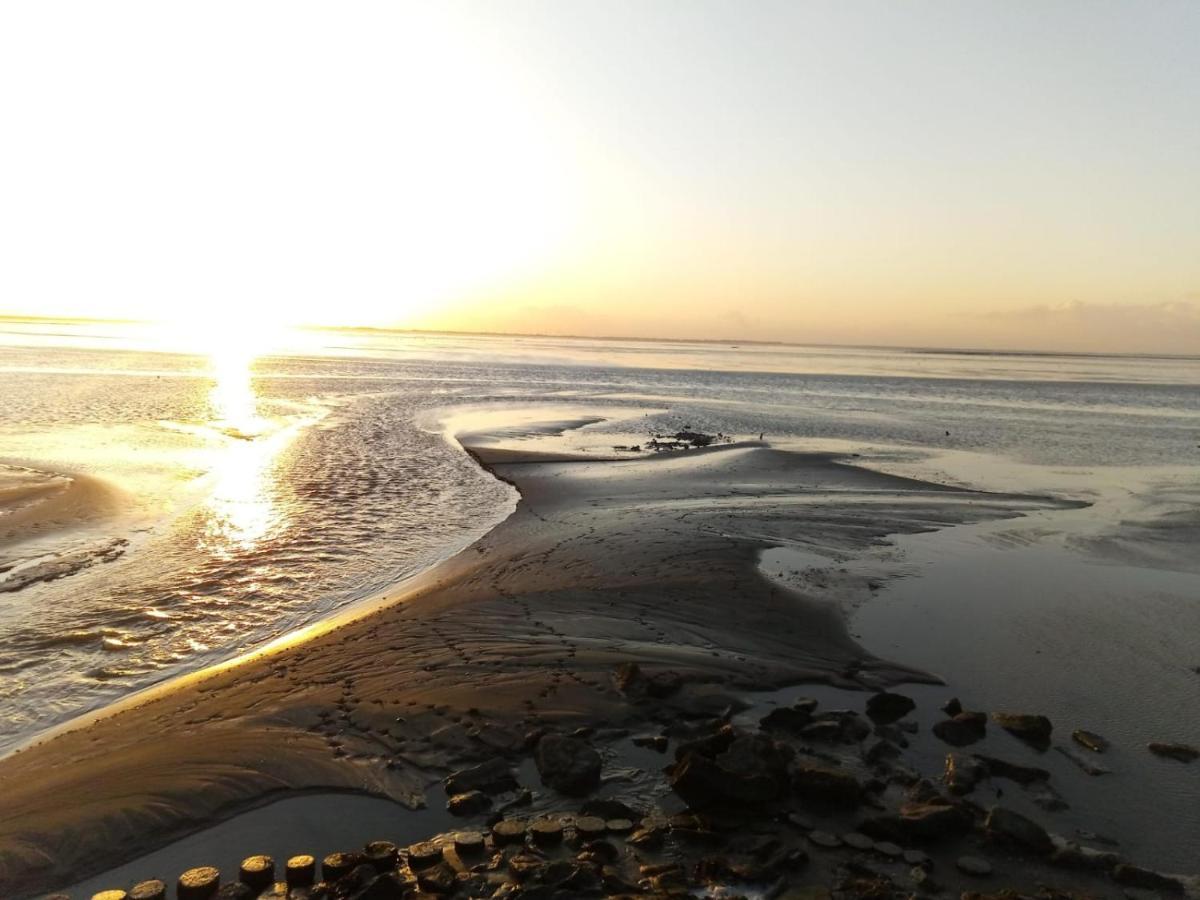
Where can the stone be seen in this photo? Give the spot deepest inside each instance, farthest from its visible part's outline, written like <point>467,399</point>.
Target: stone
<point>508,831</point>
<point>887,707</point>
<point>952,707</point>
<point>235,891</point>
<point>934,820</point>
<point>962,773</point>
<point>200,883</point>
<point>609,809</point>
<point>618,826</point>
<point>153,889</point>
<point>1012,828</point>
<point>439,878</point>
<point>974,865</point>
<point>469,803</point>
<point>918,858</point>
<point>257,872</point>
<point>1135,876</point>
<point>1184,753</point>
<point>857,840</point>
<point>962,729</point>
<point>424,854</point>
<point>590,827</point>
<point>276,890</point>
<point>826,787</point>
<point>657,742</point>
<point>491,777</point>
<point>301,871</point>
<point>546,831</point>
<point>709,745</point>
<point>116,894</point>
<point>751,770</point>
<point>889,849</point>
<point>468,842</point>
<point>381,855</point>
<point>338,865</point>
<point>825,839</point>
<point>881,750</point>
<point>787,719</point>
<point>1024,775</point>
<point>1032,729</point>
<point>1089,740</point>
<point>1082,762</point>
<point>567,765</point>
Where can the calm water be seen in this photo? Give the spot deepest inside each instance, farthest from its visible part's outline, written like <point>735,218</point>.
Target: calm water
<point>213,502</point>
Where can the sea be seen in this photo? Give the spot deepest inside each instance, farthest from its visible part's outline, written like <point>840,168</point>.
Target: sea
<point>165,509</point>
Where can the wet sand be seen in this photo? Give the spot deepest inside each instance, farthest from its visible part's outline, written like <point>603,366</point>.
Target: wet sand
<point>649,560</point>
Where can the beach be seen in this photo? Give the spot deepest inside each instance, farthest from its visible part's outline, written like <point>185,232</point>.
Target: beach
<point>624,594</point>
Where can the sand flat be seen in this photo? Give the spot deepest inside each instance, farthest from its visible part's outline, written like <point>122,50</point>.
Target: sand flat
<point>652,560</point>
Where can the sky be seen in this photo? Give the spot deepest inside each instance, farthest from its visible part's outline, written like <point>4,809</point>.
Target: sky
<point>1012,174</point>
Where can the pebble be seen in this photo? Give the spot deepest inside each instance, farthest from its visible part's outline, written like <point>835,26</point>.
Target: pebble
<point>824,839</point>
<point>590,827</point>
<point>149,890</point>
<point>301,870</point>
<point>917,858</point>
<point>974,865</point>
<point>857,841</point>
<point>198,884</point>
<point>887,848</point>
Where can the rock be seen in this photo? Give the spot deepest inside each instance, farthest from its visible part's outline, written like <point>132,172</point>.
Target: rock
<point>881,750</point>
<point>424,854</point>
<point>568,765</point>
<point>1012,828</point>
<point>301,871</point>
<point>618,826</point>
<point>825,787</point>
<point>962,729</point>
<point>1033,730</point>
<point>116,894</point>
<point>235,891</point>
<point>508,831</point>
<point>1135,876</point>
<point>491,777</point>
<point>440,878</point>
<point>887,707</point>
<point>827,731</point>
<point>701,782</point>
<point>786,718</point>
<point>709,745</point>
<point>1024,775</point>
<point>825,839</point>
<point>1087,765</point>
<point>338,865</point>
<point>628,679</point>
<point>857,840</point>
<point>656,742</point>
<point>546,831</point>
<point>590,827</point>
<point>962,773</point>
<point>1089,740</point>
<point>974,865</point>
<point>952,707</point>
<point>1185,753</point>
<point>257,872</point>
<point>934,819</point>
<point>381,855</point>
<point>468,842</point>
<point>663,684</point>
<point>918,858</point>
<point>609,809</point>
<point>198,884</point>
<point>469,803</point>
<point>149,890</point>
<point>889,849</point>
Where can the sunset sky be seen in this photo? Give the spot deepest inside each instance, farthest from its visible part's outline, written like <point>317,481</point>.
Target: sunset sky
<point>1016,174</point>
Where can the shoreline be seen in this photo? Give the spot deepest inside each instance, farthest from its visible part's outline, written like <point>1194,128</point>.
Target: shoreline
<point>216,729</point>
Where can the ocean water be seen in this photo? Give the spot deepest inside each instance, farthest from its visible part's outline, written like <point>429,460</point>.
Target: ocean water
<point>162,511</point>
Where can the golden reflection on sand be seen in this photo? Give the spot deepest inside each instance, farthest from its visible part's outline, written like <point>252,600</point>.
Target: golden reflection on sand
<point>242,507</point>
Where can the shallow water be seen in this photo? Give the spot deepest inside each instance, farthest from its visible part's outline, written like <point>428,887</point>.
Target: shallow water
<point>227,499</point>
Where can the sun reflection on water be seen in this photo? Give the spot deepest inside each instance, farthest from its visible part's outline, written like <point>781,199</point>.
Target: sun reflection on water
<point>242,504</point>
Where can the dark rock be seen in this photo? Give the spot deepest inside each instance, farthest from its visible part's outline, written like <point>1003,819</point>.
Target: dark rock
<point>381,855</point>
<point>962,773</point>
<point>491,777</point>
<point>234,891</point>
<point>651,741</point>
<point>701,782</point>
<point>439,878</point>
<point>887,707</point>
<point>1082,762</point>
<point>468,842</point>
<point>629,680</point>
<point>257,872</point>
<point>546,831</point>
<point>974,865</point>
<point>1185,753</point>
<point>198,884</point>
<point>888,849</point>
<point>424,854</point>
<point>568,765</point>
<point>952,707</point>
<point>709,745</point>
<point>149,890</point>
<point>825,787</point>
<point>525,865</point>
<point>469,803</point>
<point>1089,740</point>
<point>663,684</point>
<point>857,840</point>
<point>999,768</point>
<point>1033,730</point>
<point>338,865</point>
<point>882,749</point>
<point>609,809</point>
<point>932,820</point>
<point>786,718</point>
<point>1012,828</point>
<point>1135,876</point>
<point>828,731</point>
<point>301,870</point>
<point>618,826</point>
<point>590,827</point>
<point>825,839</point>
<point>962,729</point>
<point>508,831</point>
